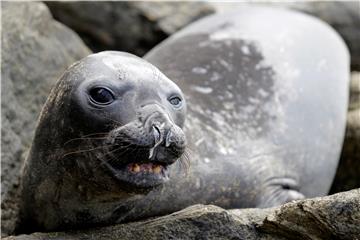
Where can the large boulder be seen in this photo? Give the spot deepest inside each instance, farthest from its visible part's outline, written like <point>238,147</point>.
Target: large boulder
<point>138,26</point>
<point>332,217</point>
<point>127,26</point>
<point>347,176</point>
<point>35,51</point>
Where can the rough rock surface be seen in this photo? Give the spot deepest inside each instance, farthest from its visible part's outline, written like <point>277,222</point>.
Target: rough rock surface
<point>127,26</point>
<point>342,15</point>
<point>35,51</point>
<point>347,176</point>
<point>331,217</point>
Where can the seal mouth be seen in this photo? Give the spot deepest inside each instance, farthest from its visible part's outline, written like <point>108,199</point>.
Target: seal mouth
<point>141,174</point>
<point>142,158</point>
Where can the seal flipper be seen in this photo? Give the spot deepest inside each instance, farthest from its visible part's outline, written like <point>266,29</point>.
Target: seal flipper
<point>278,191</point>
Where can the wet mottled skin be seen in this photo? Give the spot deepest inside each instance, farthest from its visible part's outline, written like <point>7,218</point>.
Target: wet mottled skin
<point>262,125</point>
<point>108,134</point>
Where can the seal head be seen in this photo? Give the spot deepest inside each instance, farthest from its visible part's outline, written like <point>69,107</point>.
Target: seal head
<point>109,131</point>
<point>140,111</point>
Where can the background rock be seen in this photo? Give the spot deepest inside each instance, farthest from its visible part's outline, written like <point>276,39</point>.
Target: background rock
<point>138,26</point>
<point>127,26</point>
<point>35,51</point>
<point>332,217</point>
<point>347,176</point>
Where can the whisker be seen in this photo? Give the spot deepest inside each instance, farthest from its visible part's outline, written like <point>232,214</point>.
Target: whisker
<point>117,122</point>
<point>84,138</point>
<point>92,134</point>
<point>113,159</point>
<point>183,162</point>
<point>121,147</point>
<point>186,159</point>
<point>111,155</point>
<point>84,150</point>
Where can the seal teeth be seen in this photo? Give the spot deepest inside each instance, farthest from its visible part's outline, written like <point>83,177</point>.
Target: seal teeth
<point>146,168</point>
<point>136,168</point>
<point>156,169</point>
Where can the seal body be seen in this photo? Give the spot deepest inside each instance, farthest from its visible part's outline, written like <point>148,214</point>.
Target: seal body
<point>267,94</point>
<point>107,134</point>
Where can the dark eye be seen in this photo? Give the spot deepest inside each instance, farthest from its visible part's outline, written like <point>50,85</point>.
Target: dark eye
<point>176,101</point>
<point>101,95</point>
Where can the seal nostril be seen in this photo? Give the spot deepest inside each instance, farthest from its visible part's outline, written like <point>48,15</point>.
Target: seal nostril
<point>157,140</point>
<point>157,133</point>
<point>168,139</point>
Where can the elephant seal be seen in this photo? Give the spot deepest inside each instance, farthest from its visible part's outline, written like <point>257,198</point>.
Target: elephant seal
<point>108,132</point>
<point>266,93</point>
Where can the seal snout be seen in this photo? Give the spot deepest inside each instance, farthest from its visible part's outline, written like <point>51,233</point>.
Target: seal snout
<point>169,142</point>
<point>157,134</point>
<point>144,148</point>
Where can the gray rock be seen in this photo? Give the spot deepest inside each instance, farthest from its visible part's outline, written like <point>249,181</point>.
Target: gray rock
<point>35,51</point>
<point>331,217</point>
<point>127,26</point>
<point>354,91</point>
<point>344,16</point>
<point>347,176</point>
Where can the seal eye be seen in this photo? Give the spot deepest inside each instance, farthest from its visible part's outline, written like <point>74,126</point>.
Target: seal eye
<point>175,101</point>
<point>101,95</point>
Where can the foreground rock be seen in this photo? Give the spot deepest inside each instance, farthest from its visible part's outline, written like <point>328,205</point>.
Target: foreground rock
<point>35,51</point>
<point>332,217</point>
<point>347,176</point>
<point>127,26</point>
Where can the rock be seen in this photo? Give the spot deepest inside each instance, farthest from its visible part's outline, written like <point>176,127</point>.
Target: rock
<point>331,217</point>
<point>354,91</point>
<point>347,176</point>
<point>342,15</point>
<point>127,26</point>
<point>35,51</point>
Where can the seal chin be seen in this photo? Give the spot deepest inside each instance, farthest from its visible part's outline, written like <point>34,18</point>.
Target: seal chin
<point>142,175</point>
